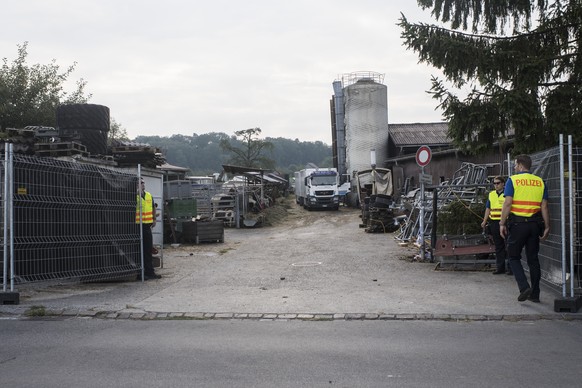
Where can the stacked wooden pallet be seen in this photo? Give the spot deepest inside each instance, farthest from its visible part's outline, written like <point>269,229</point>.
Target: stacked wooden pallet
<point>131,154</point>
<point>68,148</point>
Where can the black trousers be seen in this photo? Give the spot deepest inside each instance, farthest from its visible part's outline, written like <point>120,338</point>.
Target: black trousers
<point>525,234</point>
<point>148,244</point>
<point>500,250</point>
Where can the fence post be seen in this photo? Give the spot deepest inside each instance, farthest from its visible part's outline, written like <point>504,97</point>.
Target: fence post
<point>5,211</point>
<point>138,192</point>
<point>566,303</point>
<point>8,297</point>
<point>571,205</point>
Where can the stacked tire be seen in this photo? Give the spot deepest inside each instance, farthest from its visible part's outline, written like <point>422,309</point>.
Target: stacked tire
<point>87,123</point>
<point>380,217</point>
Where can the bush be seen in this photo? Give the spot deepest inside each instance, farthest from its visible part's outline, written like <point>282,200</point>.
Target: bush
<point>460,217</point>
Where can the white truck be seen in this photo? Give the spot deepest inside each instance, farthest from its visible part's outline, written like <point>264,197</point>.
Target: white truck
<point>317,188</point>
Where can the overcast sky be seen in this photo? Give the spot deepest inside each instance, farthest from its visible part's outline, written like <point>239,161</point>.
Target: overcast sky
<point>184,67</point>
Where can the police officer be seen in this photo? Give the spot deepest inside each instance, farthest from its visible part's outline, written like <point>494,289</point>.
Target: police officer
<point>491,218</point>
<point>145,205</point>
<point>524,219</point>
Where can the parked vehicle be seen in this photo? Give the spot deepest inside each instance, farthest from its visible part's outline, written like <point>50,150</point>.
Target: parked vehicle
<point>317,188</point>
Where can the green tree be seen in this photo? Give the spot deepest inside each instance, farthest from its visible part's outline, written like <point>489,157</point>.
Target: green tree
<point>30,95</point>
<point>520,75</point>
<point>203,155</point>
<point>293,152</point>
<point>116,132</point>
<point>249,152</point>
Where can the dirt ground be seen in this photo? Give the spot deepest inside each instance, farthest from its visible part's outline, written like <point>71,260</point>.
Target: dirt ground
<point>286,212</point>
<point>299,261</point>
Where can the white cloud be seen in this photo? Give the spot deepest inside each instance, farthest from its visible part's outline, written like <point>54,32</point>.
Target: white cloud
<point>194,66</point>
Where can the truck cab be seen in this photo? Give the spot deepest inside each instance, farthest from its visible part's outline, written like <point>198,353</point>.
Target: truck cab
<point>317,188</point>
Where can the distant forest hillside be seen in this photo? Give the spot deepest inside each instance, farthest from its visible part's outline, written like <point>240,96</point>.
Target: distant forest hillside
<point>203,156</point>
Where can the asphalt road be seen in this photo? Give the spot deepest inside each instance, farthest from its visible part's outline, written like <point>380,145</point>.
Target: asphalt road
<point>361,314</point>
<point>129,353</point>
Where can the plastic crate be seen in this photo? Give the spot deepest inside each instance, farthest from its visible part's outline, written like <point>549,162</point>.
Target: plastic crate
<point>182,208</point>
<point>202,231</point>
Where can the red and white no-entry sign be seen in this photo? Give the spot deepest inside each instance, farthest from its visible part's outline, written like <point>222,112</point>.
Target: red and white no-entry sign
<point>423,156</point>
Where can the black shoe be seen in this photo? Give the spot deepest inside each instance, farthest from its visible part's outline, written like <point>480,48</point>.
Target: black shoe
<point>533,299</point>
<point>523,295</point>
<point>509,273</point>
<point>498,272</point>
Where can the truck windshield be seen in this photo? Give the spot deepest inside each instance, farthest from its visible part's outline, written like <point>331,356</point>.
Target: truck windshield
<point>321,180</point>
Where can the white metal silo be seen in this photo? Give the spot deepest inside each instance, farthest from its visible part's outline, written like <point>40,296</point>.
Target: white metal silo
<point>366,119</point>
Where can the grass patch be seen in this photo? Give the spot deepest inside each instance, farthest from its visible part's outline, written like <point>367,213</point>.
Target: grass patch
<point>36,311</point>
<point>321,319</point>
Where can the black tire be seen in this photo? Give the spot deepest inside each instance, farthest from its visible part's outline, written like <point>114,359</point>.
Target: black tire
<point>392,228</point>
<point>86,123</point>
<point>383,201</point>
<point>94,140</point>
<point>83,116</point>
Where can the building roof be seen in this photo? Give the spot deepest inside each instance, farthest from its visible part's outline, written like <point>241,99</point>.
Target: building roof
<point>169,167</point>
<point>255,174</point>
<point>416,134</point>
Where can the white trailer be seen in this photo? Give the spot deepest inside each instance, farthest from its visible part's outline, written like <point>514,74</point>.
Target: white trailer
<point>317,188</point>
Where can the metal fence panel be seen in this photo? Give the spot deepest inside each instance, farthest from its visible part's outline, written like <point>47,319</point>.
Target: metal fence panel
<point>73,221</point>
<point>547,165</point>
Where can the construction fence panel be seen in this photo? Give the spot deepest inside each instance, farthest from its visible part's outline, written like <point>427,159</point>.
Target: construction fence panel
<point>72,221</point>
<point>576,237</point>
<point>547,165</point>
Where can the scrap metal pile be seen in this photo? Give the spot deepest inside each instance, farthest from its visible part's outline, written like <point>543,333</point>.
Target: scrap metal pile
<point>375,190</point>
<point>468,187</point>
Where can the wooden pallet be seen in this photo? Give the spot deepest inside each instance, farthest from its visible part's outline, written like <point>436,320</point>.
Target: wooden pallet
<point>61,152</point>
<point>124,149</point>
<point>19,132</point>
<point>70,145</point>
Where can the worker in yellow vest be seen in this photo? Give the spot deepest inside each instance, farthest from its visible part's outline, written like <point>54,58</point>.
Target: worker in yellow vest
<point>525,218</point>
<point>145,205</point>
<point>491,219</point>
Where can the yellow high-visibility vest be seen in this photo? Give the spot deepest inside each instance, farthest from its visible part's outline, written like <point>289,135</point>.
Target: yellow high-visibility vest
<point>147,209</point>
<point>495,205</point>
<point>528,192</point>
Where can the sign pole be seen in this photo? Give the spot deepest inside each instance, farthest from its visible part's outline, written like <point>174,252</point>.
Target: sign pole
<point>421,224</point>
<point>423,156</point>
